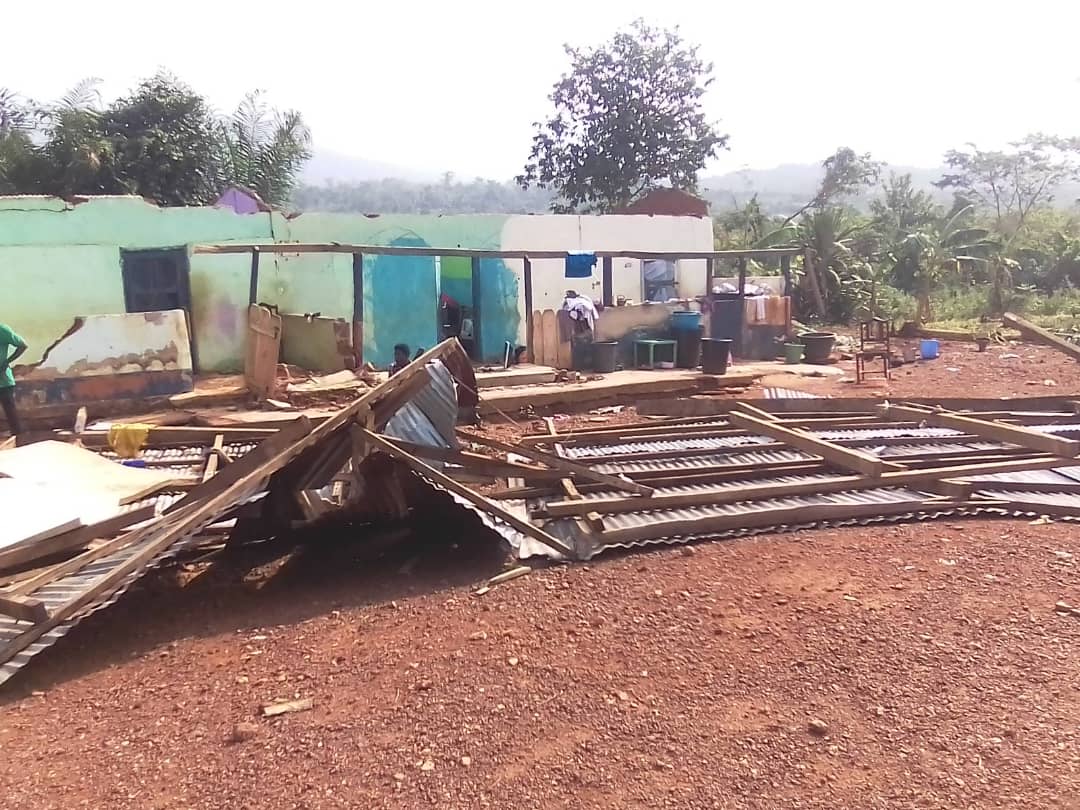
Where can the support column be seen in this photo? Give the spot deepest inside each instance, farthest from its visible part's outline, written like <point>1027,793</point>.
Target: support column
<point>477,352</point>
<point>526,278</point>
<point>253,280</point>
<point>606,283</point>
<point>358,308</point>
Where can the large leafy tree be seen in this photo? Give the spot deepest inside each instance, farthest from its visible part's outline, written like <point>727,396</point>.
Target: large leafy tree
<point>165,139</point>
<point>265,149</point>
<point>628,117</point>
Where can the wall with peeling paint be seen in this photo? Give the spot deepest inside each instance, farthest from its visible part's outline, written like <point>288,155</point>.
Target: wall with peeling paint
<point>63,259</point>
<point>116,356</point>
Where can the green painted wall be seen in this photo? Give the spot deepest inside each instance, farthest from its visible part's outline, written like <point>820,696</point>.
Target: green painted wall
<point>59,260</point>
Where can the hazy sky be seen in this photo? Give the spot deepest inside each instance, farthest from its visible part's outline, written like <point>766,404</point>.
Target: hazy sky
<point>456,85</point>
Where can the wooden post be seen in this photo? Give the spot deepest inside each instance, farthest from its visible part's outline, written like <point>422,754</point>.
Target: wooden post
<point>253,281</point>
<point>526,277</point>
<point>358,308</point>
<point>477,315</point>
<point>785,271</point>
<point>606,283</point>
<point>710,267</point>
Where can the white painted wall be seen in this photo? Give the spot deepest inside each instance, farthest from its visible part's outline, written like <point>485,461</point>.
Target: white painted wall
<point>604,233</point>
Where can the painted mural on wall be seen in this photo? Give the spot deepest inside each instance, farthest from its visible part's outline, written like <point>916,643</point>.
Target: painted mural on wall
<point>64,260</point>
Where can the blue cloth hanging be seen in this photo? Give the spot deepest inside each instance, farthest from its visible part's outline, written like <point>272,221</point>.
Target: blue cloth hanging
<point>580,265</point>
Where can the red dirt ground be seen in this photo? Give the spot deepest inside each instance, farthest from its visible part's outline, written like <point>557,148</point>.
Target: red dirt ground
<point>1014,370</point>
<point>931,655</point>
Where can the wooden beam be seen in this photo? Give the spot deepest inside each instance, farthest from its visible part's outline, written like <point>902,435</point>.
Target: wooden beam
<point>757,413</point>
<point>477,310</point>
<point>993,431</point>
<point>849,459</point>
<point>1040,335</point>
<point>475,498</point>
<point>23,608</point>
<point>253,279</point>
<point>213,459</point>
<point>358,307</point>
<point>526,280</point>
<point>570,468</point>
<point>752,492</point>
<point>606,282</point>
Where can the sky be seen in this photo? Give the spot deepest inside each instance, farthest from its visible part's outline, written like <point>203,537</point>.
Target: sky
<point>455,86</point>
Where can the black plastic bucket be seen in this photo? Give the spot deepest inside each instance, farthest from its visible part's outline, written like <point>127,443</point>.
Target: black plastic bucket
<point>604,353</point>
<point>819,346</point>
<point>689,343</point>
<point>714,355</point>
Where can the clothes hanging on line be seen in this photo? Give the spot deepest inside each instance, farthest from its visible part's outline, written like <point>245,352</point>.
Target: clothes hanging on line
<point>580,265</point>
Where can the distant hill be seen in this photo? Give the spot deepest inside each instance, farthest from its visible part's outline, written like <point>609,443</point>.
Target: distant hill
<point>332,181</point>
<point>328,167</point>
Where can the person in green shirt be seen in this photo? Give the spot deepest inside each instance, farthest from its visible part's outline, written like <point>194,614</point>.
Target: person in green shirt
<point>8,341</point>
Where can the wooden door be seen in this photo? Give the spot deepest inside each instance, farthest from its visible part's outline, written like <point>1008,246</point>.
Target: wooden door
<point>263,348</point>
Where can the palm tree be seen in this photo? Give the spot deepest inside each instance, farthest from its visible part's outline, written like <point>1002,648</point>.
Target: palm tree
<point>827,235</point>
<point>264,150</point>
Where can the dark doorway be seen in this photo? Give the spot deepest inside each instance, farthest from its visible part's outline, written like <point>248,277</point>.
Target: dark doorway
<point>155,280</point>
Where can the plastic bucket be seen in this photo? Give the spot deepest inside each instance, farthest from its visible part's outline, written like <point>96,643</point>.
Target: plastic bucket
<point>714,355</point>
<point>818,346</point>
<point>685,320</point>
<point>928,348</point>
<point>689,343</point>
<point>604,353</point>
<point>793,353</point>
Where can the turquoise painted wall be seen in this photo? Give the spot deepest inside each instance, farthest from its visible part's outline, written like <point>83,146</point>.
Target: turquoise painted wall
<point>59,260</point>
<point>456,278</point>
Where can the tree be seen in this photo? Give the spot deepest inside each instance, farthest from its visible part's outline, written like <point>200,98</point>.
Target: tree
<point>939,247</point>
<point>166,145</point>
<point>846,173</point>
<point>833,269</point>
<point>264,150</point>
<point>1012,184</point>
<point>628,118</point>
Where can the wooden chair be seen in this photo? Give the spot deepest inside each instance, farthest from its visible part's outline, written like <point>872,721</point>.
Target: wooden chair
<point>875,337</point>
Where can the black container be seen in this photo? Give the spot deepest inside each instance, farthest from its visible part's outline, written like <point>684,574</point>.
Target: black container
<point>714,355</point>
<point>604,353</point>
<point>689,343</point>
<point>580,355</point>
<point>819,346</point>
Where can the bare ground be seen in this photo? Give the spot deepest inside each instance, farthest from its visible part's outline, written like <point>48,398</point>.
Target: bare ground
<point>930,654</point>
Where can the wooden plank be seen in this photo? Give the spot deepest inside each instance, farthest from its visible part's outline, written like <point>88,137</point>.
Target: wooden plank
<point>750,492</point>
<point>23,608</point>
<point>844,457</point>
<point>1040,335</point>
<point>992,431</point>
<point>550,332</point>
<point>757,413</point>
<point>262,351</point>
<point>214,459</point>
<point>569,468</point>
<point>476,463</point>
<point>19,556</point>
<point>475,498</point>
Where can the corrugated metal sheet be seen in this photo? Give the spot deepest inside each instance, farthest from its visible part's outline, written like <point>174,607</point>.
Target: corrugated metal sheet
<point>429,418</point>
<point>788,393</point>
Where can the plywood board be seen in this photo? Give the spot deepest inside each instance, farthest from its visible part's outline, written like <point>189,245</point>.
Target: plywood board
<point>33,512</point>
<point>72,471</point>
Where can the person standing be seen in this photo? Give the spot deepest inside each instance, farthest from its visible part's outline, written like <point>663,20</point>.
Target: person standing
<point>11,347</point>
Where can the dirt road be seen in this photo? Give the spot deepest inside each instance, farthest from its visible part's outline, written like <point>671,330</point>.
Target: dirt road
<point>885,667</point>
